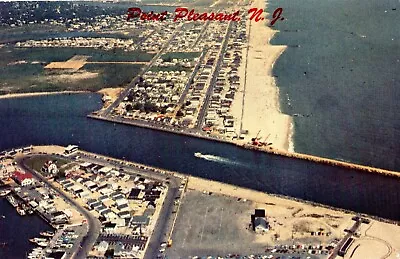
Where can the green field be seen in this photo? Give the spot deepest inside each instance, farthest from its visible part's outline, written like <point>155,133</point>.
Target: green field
<point>171,68</point>
<point>180,55</point>
<point>36,163</point>
<point>32,77</point>
<point>10,54</point>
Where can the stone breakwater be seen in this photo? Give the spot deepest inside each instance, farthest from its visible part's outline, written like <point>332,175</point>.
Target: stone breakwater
<point>269,150</point>
<point>327,161</point>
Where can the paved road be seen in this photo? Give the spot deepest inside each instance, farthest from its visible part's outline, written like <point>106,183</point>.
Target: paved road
<point>125,93</point>
<point>94,225</point>
<point>344,239</point>
<point>163,225</point>
<point>160,126</point>
<point>189,82</point>
<point>204,107</point>
<point>201,34</point>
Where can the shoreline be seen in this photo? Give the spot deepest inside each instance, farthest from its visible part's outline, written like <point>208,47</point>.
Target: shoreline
<point>279,206</point>
<point>111,92</point>
<point>262,116</point>
<point>230,190</point>
<point>25,95</point>
<point>204,184</point>
<point>271,151</point>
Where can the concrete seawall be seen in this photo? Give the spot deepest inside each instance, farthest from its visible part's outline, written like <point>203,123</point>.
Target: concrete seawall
<point>268,150</point>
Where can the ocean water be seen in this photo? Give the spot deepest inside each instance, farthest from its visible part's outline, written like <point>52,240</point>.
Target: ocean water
<point>343,80</point>
<point>61,120</point>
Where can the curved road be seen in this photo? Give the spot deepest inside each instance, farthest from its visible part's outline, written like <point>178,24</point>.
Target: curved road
<point>94,225</point>
<point>163,224</point>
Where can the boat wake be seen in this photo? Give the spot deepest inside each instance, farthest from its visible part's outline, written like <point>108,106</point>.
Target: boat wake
<point>219,159</point>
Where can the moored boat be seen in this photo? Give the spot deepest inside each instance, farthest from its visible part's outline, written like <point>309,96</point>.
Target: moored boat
<point>47,233</point>
<point>12,201</point>
<point>21,211</point>
<point>38,240</point>
<point>4,193</point>
<point>43,244</point>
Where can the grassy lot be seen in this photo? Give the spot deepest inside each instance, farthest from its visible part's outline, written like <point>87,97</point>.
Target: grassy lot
<point>171,68</point>
<point>36,163</point>
<point>30,75</point>
<point>113,74</point>
<point>47,55</point>
<point>180,55</point>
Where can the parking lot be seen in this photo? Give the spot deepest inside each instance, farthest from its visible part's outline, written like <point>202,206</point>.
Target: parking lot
<point>213,225</point>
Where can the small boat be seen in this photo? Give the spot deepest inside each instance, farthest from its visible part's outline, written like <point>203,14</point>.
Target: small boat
<point>12,201</point>
<point>198,154</point>
<point>47,233</point>
<point>21,211</point>
<point>43,244</point>
<point>38,240</point>
<point>4,193</point>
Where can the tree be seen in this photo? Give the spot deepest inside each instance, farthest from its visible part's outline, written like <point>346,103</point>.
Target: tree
<point>179,113</point>
<point>149,107</point>
<point>129,107</point>
<point>130,97</point>
<point>137,106</point>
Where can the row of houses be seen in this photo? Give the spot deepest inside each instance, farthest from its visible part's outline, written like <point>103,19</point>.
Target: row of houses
<point>155,40</point>
<point>158,92</point>
<point>80,42</point>
<point>186,39</point>
<point>213,38</point>
<point>116,198</point>
<point>227,83</point>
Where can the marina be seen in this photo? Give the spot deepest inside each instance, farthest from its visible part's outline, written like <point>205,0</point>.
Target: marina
<point>249,138</point>
<point>25,227</point>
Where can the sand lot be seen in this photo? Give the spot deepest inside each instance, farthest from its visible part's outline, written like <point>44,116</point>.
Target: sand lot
<point>218,224</point>
<point>378,240</point>
<point>75,63</point>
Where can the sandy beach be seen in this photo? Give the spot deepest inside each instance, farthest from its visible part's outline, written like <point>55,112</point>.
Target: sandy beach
<point>110,95</point>
<point>261,110</point>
